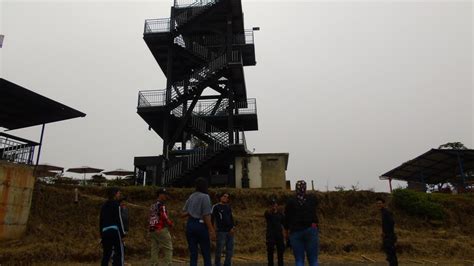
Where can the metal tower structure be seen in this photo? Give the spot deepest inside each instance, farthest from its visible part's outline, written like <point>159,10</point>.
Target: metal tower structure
<point>203,112</point>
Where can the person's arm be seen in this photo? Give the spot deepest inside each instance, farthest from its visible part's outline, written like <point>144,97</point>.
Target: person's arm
<point>315,222</point>
<point>286,219</point>
<point>210,228</point>
<point>118,211</point>
<point>152,219</point>
<point>101,221</point>
<point>206,216</point>
<point>185,213</point>
<point>125,218</point>
<point>213,214</point>
<point>165,217</point>
<point>232,223</point>
<point>282,224</point>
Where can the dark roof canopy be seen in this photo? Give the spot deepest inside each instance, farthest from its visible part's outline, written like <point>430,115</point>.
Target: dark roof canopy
<point>21,108</point>
<point>435,166</point>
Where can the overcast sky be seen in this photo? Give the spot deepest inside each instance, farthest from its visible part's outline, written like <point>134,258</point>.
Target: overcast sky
<point>351,89</point>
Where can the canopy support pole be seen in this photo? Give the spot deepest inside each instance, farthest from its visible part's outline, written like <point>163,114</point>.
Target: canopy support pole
<point>39,149</point>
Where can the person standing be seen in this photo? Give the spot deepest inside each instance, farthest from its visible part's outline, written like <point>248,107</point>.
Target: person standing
<point>223,221</point>
<point>388,233</point>
<point>301,226</point>
<point>112,229</point>
<point>159,228</point>
<point>274,235</point>
<point>199,229</point>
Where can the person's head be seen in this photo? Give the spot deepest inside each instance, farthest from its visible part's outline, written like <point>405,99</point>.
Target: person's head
<point>113,193</point>
<point>224,197</point>
<point>201,185</point>
<point>162,194</point>
<point>300,188</point>
<point>273,204</point>
<point>380,203</point>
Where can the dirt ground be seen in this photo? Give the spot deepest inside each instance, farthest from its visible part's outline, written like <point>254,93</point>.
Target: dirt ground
<point>61,232</point>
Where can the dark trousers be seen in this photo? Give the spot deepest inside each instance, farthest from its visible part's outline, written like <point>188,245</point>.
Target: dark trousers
<point>224,239</point>
<point>389,248</point>
<point>198,235</point>
<point>280,246</point>
<point>111,241</point>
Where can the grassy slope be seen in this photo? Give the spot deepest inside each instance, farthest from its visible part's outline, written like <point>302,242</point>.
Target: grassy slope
<point>60,230</point>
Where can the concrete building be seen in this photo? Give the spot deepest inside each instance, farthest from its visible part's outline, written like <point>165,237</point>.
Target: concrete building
<point>261,170</point>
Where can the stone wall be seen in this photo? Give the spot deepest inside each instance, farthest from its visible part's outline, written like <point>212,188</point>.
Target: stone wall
<point>16,189</point>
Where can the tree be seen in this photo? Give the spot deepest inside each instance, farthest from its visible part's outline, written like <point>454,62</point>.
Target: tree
<point>453,146</point>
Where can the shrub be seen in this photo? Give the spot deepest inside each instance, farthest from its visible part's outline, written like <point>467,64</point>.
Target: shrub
<point>418,204</point>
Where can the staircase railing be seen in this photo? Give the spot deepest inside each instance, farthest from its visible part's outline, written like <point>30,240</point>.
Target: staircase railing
<point>219,141</point>
<point>197,77</point>
<point>194,47</point>
<point>158,97</point>
<point>191,9</point>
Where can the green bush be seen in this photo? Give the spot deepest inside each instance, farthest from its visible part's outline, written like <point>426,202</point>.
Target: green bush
<point>418,204</point>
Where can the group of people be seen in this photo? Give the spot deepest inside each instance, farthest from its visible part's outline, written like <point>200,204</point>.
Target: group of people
<point>296,226</point>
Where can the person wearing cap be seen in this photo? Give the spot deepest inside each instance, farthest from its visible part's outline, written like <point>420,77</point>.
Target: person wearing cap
<point>274,219</point>
<point>112,229</point>
<point>301,225</point>
<point>159,224</point>
<point>223,221</point>
<point>199,229</point>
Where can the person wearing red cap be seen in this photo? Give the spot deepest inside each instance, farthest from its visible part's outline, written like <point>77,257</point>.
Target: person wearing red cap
<point>159,229</point>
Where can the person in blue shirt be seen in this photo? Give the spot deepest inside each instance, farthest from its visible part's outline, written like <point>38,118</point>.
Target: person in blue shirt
<point>199,229</point>
<point>223,221</point>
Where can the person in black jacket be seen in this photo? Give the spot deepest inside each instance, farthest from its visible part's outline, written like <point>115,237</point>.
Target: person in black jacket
<point>112,229</point>
<point>388,233</point>
<point>274,235</point>
<point>224,223</point>
<point>301,226</point>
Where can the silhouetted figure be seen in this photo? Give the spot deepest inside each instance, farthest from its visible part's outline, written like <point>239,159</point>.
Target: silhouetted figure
<point>274,235</point>
<point>388,233</point>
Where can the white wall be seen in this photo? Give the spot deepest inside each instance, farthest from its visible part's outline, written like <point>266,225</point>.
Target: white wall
<point>255,172</point>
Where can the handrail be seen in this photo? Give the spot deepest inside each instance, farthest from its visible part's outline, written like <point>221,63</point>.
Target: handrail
<point>157,25</point>
<point>247,37</point>
<point>151,98</point>
<point>155,98</point>
<point>16,149</point>
<point>193,3</point>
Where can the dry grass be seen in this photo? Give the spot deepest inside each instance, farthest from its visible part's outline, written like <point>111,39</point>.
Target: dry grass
<point>60,230</point>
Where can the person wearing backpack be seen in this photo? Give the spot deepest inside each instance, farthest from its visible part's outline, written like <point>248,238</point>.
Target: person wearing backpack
<point>159,225</point>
